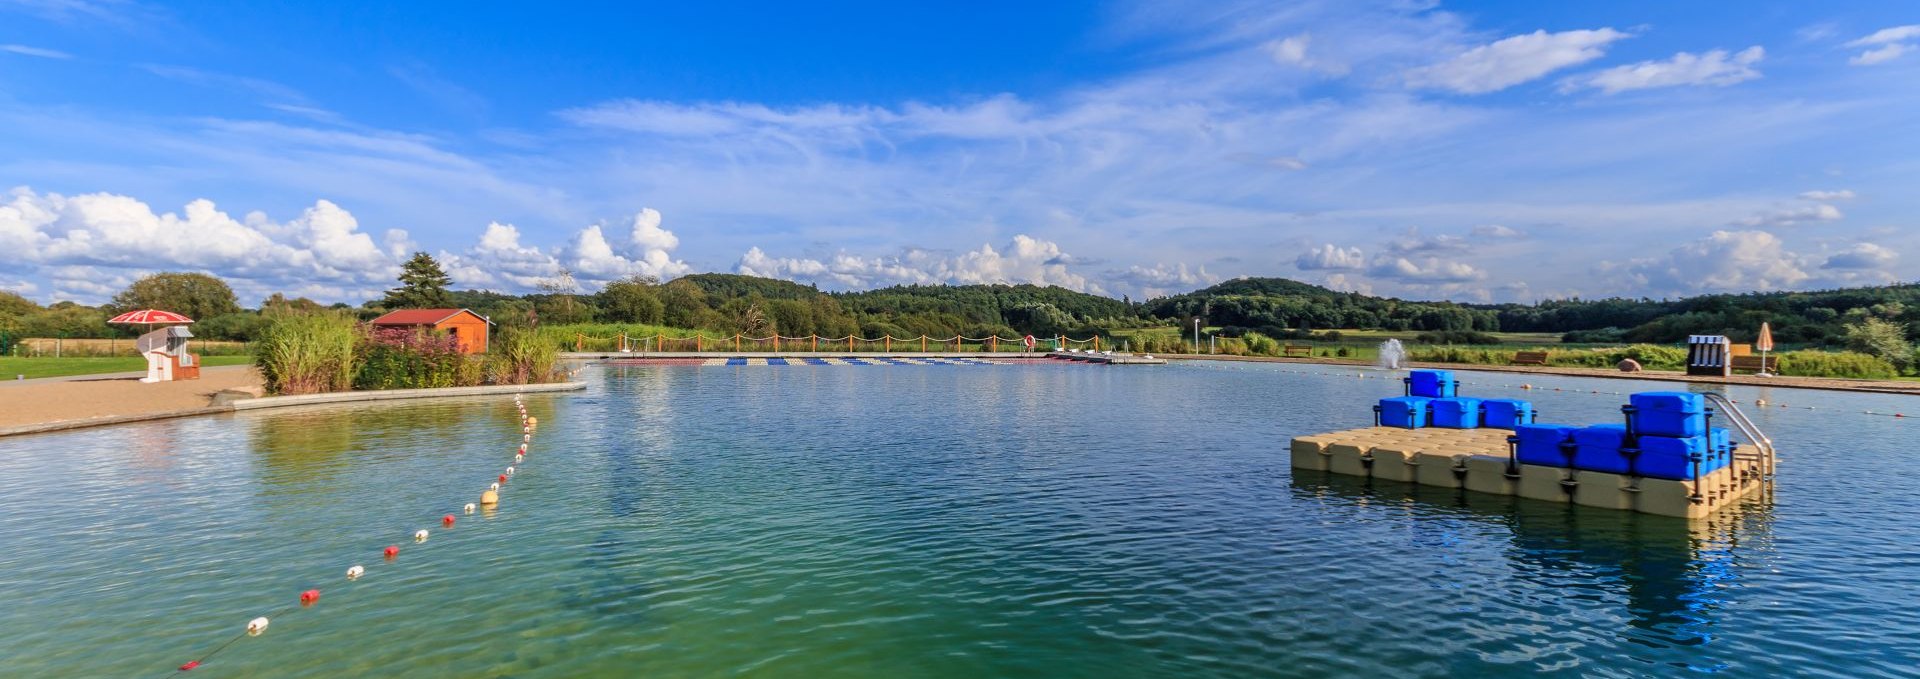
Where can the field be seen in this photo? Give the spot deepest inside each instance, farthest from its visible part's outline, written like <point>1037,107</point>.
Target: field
<point>42,346</point>
<point>47,366</point>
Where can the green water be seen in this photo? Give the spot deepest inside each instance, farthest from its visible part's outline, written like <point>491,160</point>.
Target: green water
<point>1037,521</point>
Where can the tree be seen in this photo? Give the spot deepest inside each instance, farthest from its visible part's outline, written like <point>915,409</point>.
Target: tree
<point>632,300</point>
<point>423,285</point>
<point>195,295</point>
<point>1883,339</point>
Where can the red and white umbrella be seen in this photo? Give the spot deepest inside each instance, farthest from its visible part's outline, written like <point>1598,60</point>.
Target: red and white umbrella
<point>150,317</point>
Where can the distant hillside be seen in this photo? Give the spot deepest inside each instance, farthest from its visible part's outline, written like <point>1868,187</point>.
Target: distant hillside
<point>721,287</point>
<point>1277,305</point>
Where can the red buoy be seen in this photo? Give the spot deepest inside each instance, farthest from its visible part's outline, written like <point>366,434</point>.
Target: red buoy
<point>308,597</point>
<point>190,665</point>
<point>447,520</point>
<point>503,478</point>
<point>392,551</point>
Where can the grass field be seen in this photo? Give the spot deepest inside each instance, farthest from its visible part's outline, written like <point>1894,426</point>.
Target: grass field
<point>60,367</point>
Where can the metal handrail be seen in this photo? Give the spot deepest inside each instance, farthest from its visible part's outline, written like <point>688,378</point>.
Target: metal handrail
<point>1748,429</point>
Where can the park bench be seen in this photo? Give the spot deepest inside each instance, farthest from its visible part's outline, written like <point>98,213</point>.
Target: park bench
<point>1755,364</point>
<point>1291,350</point>
<point>1529,358</point>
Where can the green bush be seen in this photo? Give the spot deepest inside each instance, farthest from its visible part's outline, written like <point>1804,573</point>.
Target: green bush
<point>1456,337</point>
<point>414,359</point>
<point>308,353</point>
<point>1810,363</point>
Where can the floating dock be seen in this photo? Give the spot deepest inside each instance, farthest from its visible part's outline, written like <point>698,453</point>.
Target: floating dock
<point>1480,460</point>
<point>1105,358</point>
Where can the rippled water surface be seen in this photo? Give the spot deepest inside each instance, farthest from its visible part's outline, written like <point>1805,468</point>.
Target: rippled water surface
<point>1039,521</point>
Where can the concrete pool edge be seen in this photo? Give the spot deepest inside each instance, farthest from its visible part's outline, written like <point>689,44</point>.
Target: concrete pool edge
<point>292,401</point>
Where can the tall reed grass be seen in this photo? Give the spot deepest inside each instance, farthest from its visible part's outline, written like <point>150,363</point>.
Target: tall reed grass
<point>308,353</point>
<point>522,357</point>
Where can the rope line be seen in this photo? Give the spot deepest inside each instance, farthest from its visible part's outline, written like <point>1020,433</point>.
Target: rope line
<point>528,426</point>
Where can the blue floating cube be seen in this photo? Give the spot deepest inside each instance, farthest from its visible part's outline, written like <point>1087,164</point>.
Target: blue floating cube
<point>1409,412</point>
<point>1505,413</point>
<point>1540,444</point>
<point>1597,448</point>
<point>1672,457</point>
<point>1456,413</point>
<point>1720,449</point>
<point>1432,384</point>
<point>1669,413</point>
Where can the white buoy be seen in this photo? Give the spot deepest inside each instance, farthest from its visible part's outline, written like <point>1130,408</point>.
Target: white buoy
<point>509,471</point>
<point>420,535</point>
<point>495,487</point>
<point>527,438</point>
<point>517,457</point>
<point>355,572</point>
<point>526,430</point>
<point>523,447</point>
<point>257,625</point>
<point>469,508</point>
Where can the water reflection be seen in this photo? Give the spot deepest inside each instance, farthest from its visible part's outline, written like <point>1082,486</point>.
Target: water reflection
<point>1669,578</point>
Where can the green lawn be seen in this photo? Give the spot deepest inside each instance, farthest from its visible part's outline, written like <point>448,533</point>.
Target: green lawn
<point>58,367</point>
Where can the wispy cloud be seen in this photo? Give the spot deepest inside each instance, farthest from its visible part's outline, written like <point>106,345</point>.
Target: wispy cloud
<point>1887,44</point>
<point>35,52</point>
<point>1715,68</point>
<point>1515,60</point>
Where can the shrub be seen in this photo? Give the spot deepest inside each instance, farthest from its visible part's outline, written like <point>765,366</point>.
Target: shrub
<point>401,358</point>
<point>1881,339</point>
<point>1261,345</point>
<point>1810,363</point>
<point>307,353</point>
<point>1456,337</point>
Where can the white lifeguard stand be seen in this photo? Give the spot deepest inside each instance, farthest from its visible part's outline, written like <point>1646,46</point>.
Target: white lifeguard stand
<point>166,352</point>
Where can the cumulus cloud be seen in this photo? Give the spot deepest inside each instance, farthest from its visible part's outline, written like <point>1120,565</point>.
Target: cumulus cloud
<point>1861,256</point>
<point>35,52</point>
<point>1292,51</point>
<point>1025,260</point>
<point>1792,216</point>
<point>1424,270</point>
<point>1887,43</point>
<point>90,246</point>
<point>1162,279</point>
<point>71,240</point>
<point>500,261</point>
<point>1414,243</point>
<point>1841,194</point>
<point>1715,68</point>
<point>1727,261</point>
<point>1329,257</point>
<point>1515,60</point>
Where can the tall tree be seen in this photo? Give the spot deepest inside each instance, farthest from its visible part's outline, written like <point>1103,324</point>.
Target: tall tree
<point>423,284</point>
<point>197,295</point>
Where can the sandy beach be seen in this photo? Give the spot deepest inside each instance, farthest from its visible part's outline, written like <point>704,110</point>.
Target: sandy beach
<point>109,396</point>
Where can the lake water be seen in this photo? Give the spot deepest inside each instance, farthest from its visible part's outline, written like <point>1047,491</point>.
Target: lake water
<point>939,521</point>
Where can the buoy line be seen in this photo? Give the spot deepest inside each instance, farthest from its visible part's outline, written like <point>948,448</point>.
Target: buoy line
<point>311,597</point>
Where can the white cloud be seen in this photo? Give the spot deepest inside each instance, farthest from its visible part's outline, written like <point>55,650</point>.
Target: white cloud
<point>1497,232</point>
<point>1424,270</point>
<point>1727,261</point>
<point>1292,51</point>
<point>1840,194</point>
<point>1791,216</point>
<point>1161,279</point>
<point>1329,257</point>
<point>1515,60</point>
<point>1414,243</point>
<point>1861,256</point>
<point>1026,260</point>
<point>1892,43</point>
<point>1716,68</point>
<point>73,240</point>
<point>35,52</point>
<point>499,261</point>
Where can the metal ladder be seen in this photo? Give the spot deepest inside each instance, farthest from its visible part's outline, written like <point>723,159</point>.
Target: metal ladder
<point>1762,445</point>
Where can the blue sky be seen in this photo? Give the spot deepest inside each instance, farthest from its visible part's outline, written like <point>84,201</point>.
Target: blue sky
<point>1479,151</point>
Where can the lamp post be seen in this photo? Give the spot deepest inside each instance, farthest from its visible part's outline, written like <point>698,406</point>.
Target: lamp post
<point>1196,335</point>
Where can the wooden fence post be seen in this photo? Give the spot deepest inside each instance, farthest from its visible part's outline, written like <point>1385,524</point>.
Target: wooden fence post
<point>889,340</point>
<point>816,342</point>
<point>923,343</point>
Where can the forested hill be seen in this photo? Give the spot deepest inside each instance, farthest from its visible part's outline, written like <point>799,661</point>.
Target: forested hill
<point>1276,305</point>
